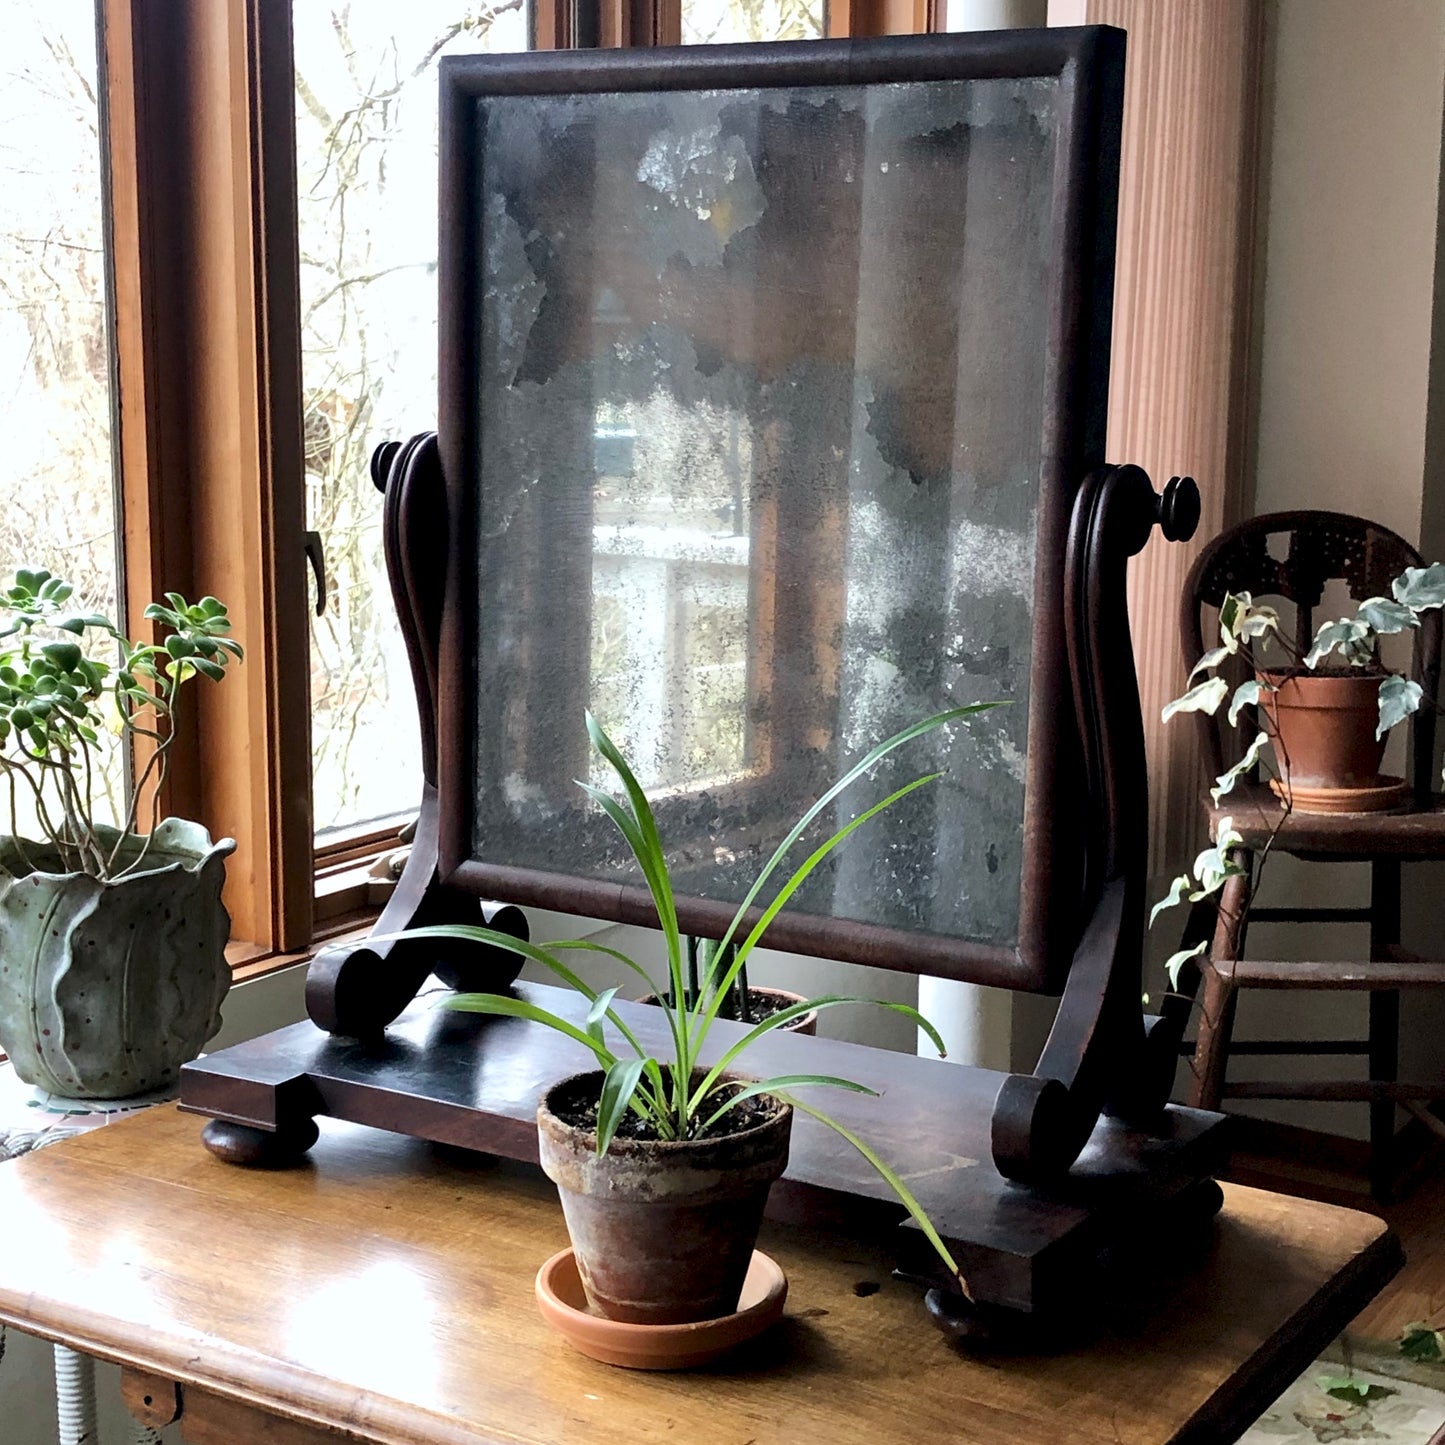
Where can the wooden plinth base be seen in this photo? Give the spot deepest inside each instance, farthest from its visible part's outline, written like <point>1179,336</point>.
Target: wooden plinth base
<point>474,1081</point>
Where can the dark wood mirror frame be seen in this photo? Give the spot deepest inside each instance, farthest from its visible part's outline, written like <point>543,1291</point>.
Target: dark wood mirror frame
<point>1094,1112</point>
<point>1087,65</point>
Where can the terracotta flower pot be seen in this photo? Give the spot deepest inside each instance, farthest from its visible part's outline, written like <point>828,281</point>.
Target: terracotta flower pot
<point>663,1232</point>
<point>804,1024</point>
<point>1326,725</point>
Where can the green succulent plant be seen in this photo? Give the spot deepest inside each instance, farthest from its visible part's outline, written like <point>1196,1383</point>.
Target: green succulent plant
<point>67,676</point>
<point>674,1098</point>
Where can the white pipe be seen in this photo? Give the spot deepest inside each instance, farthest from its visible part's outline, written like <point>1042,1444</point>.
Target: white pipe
<point>976,1022</point>
<point>75,1397</point>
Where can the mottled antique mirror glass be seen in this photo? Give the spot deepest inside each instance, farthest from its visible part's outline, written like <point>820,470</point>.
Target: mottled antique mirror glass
<point>761,433</point>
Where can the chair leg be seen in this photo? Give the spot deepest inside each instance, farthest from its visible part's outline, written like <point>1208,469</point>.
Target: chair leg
<point>1216,1015</point>
<point>1211,1045</point>
<point>1384,1068</point>
<point>1384,1024</point>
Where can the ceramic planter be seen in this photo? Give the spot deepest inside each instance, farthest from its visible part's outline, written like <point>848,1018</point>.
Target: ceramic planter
<point>1326,724</point>
<point>804,1024</point>
<point>663,1232</point>
<point>107,988</point>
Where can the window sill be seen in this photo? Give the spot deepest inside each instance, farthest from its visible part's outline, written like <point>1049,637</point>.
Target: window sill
<point>249,962</point>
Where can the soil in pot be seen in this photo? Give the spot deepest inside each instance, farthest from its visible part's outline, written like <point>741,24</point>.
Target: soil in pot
<point>1326,723</point>
<point>663,1230</point>
<point>763,1003</point>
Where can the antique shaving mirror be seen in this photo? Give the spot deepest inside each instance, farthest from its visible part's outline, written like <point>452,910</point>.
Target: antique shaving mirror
<point>773,386</point>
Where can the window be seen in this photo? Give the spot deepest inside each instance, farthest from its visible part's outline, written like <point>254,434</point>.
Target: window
<point>366,145</point>
<point>272,214</point>
<point>59,509</point>
<point>715,22</point>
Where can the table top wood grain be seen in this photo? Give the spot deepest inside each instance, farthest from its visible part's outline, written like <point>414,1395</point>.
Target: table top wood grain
<point>383,1291</point>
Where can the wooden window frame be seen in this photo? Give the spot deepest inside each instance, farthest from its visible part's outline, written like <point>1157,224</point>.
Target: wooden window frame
<point>198,99</point>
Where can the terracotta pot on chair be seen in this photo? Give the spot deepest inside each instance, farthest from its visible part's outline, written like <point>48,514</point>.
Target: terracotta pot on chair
<point>1325,725</point>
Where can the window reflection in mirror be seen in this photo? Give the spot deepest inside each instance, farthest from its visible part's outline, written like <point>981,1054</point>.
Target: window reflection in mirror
<point>761,422</point>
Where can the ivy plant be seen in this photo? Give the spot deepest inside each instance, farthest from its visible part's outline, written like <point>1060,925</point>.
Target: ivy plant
<point>676,1097</point>
<point>67,675</point>
<point>1246,627</point>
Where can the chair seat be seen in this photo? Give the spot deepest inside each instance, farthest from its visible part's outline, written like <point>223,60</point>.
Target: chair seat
<point>1419,833</point>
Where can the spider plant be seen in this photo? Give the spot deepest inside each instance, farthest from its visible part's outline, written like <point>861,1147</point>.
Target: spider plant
<point>676,1098</point>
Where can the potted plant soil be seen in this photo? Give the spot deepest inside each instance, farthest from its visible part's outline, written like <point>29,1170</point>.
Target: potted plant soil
<point>112,962</point>
<point>663,1165</point>
<point>746,1002</point>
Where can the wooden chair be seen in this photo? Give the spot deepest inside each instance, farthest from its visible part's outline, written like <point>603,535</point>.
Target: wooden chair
<point>1293,556</point>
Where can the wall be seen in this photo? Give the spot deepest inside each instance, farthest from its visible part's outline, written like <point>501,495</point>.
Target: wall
<point>1348,278</point>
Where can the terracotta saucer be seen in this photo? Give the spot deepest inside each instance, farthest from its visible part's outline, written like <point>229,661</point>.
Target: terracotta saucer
<point>1385,796</point>
<point>657,1347</point>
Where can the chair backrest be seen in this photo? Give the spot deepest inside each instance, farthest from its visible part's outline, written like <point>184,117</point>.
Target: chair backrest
<point>1295,555</point>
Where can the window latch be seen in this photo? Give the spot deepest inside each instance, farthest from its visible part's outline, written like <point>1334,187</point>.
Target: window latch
<point>317,558</point>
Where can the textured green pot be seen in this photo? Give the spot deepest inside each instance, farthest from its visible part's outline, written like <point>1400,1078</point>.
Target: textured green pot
<point>106,989</point>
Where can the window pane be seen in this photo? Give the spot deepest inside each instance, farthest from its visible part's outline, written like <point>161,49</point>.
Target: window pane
<point>716,22</point>
<point>366,138</point>
<point>58,507</point>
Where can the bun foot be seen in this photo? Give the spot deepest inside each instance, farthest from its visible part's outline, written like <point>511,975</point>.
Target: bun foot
<point>260,1148</point>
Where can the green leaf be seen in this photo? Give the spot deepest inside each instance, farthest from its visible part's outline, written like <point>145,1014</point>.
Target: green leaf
<point>598,1012</point>
<point>1247,694</point>
<point>1214,658</point>
<point>862,766</point>
<point>1349,635</point>
<point>1205,697</point>
<point>792,885</point>
<point>783,1081</point>
<point>1399,697</point>
<point>1420,1342</point>
<point>476,933</point>
<point>1347,1387</point>
<point>890,1177</point>
<point>1175,895</point>
<point>1225,782</point>
<point>1232,610</point>
<point>505,1006</point>
<point>65,655</point>
<point>1213,865</point>
<point>179,646</point>
<point>646,846</point>
<point>1421,588</point>
<point>618,1086</point>
<point>1385,616</point>
<point>1176,961</point>
<point>207,668</point>
<point>1258,621</point>
<point>797,1010</point>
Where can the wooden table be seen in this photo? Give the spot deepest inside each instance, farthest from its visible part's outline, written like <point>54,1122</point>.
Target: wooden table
<point>383,1292</point>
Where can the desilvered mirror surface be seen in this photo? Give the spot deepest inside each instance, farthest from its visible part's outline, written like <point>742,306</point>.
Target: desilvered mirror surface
<point>760,416</point>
